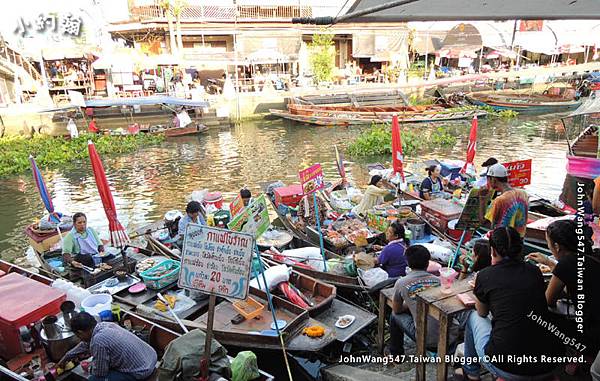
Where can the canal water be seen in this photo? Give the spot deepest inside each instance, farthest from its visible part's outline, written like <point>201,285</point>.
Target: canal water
<point>153,180</point>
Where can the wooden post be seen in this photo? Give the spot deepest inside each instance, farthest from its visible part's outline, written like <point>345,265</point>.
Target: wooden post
<point>319,230</point>
<point>421,334</point>
<point>442,347</point>
<point>205,364</point>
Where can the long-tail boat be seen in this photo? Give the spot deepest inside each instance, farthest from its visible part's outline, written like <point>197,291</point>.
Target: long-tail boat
<point>525,103</point>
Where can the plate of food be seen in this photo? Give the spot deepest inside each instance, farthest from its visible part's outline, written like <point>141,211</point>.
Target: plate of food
<point>546,270</point>
<point>345,321</point>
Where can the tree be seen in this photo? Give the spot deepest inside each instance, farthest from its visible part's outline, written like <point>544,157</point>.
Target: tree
<point>322,57</point>
<point>167,8</point>
<point>178,7</point>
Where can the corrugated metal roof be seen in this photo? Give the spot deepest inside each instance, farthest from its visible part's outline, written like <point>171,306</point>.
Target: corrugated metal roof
<point>448,10</point>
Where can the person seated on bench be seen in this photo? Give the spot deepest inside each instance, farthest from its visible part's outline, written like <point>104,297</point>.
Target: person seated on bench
<point>404,305</point>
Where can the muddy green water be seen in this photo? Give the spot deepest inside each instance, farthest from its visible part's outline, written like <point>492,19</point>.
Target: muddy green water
<point>151,181</point>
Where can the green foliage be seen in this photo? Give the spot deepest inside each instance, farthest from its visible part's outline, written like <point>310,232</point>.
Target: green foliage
<point>50,151</point>
<point>322,57</point>
<point>505,114</point>
<point>378,141</point>
<point>415,100</point>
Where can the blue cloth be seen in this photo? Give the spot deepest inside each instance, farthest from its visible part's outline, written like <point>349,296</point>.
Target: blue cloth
<point>393,260</point>
<point>113,376</point>
<point>477,335</point>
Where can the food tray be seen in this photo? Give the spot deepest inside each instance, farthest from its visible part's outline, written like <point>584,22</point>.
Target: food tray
<point>100,288</point>
<point>248,308</point>
<point>158,282</point>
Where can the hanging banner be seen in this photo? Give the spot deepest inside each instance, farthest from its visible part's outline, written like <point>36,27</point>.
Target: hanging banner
<point>519,172</point>
<point>216,261</point>
<point>311,179</point>
<point>236,206</point>
<point>254,219</point>
<point>469,218</point>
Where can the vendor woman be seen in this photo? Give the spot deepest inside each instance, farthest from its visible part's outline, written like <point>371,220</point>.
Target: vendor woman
<point>373,196</point>
<point>392,258</point>
<point>433,184</point>
<point>81,243</point>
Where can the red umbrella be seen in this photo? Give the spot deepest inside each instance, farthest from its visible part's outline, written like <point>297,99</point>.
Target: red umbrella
<point>397,156</point>
<point>471,148</point>
<point>118,235</point>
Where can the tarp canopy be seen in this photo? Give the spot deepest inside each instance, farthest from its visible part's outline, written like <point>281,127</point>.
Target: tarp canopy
<point>473,36</point>
<point>374,43</point>
<point>258,47</point>
<point>447,10</point>
<point>590,106</point>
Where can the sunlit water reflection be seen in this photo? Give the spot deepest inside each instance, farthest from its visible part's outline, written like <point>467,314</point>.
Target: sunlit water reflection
<point>153,180</point>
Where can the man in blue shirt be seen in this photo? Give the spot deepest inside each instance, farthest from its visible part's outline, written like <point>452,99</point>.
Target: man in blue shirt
<point>193,215</point>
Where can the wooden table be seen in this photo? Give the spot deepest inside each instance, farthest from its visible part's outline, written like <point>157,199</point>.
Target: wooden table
<point>386,298</point>
<point>442,307</point>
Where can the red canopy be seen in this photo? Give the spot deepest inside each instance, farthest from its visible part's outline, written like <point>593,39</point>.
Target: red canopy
<point>118,235</point>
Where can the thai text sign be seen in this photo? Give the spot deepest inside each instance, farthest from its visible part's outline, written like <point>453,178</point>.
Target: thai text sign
<point>254,219</point>
<point>311,179</point>
<point>216,261</point>
<point>236,206</point>
<point>519,172</point>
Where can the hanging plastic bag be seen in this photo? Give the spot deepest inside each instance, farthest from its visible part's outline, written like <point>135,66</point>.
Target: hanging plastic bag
<point>373,276</point>
<point>244,367</point>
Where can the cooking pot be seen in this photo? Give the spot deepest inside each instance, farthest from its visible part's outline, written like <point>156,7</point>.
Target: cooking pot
<point>56,346</point>
<point>68,310</point>
<point>417,228</point>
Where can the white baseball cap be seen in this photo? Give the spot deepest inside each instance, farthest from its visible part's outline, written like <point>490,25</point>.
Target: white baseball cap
<point>497,170</point>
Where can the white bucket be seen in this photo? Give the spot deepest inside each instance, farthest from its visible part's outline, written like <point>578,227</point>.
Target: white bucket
<point>94,304</point>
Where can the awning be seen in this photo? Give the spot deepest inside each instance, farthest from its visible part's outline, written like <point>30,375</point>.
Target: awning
<point>457,53</point>
<point>280,44</point>
<point>66,54</point>
<point>495,54</point>
<point>379,45</point>
<point>446,10</point>
<point>154,100</point>
<point>473,36</point>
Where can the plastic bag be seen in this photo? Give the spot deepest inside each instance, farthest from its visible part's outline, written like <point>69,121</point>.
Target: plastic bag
<point>336,266</point>
<point>274,275</point>
<point>198,195</point>
<point>310,255</point>
<point>364,261</point>
<point>373,276</point>
<point>439,252</point>
<point>244,367</point>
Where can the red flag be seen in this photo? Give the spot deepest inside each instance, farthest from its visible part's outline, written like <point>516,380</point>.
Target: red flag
<point>118,236</point>
<point>397,156</point>
<point>471,148</point>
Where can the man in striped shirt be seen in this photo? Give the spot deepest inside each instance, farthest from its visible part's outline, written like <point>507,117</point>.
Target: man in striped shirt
<point>118,354</point>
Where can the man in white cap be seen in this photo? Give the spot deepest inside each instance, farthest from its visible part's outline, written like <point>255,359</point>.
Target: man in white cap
<point>508,209</point>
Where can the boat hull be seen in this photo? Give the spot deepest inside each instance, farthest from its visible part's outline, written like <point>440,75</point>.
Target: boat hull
<point>324,118</point>
<point>526,107</point>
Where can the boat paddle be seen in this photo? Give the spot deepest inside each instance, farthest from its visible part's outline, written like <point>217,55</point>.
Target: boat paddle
<point>166,303</point>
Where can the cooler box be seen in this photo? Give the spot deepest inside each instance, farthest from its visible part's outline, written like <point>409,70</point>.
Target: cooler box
<point>23,301</point>
<point>290,195</point>
<point>439,212</point>
<point>215,199</point>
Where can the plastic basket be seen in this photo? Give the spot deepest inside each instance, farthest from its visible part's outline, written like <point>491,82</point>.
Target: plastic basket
<point>158,282</point>
<point>248,308</point>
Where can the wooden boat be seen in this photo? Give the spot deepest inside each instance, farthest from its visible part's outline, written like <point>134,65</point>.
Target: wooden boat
<point>193,129</point>
<point>351,115</point>
<point>524,103</point>
<point>158,336</point>
<point>319,293</point>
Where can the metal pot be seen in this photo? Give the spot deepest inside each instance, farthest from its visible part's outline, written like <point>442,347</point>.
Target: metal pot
<point>417,228</point>
<point>59,344</point>
<point>68,310</point>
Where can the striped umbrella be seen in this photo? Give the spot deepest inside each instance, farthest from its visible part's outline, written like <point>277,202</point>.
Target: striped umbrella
<point>118,235</point>
<point>41,186</point>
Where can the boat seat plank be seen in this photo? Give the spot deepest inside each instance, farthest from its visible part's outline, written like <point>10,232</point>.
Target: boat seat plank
<point>339,308</point>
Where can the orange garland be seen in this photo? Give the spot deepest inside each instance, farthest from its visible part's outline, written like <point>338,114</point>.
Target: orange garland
<point>314,331</point>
